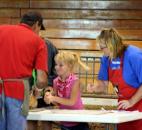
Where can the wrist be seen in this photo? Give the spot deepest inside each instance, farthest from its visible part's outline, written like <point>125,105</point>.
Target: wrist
<point>54,99</point>
<point>132,102</point>
<point>39,89</point>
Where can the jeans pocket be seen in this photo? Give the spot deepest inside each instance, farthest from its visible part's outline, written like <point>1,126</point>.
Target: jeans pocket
<point>14,103</point>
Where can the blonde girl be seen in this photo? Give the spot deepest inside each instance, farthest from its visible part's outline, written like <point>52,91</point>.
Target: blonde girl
<point>67,87</point>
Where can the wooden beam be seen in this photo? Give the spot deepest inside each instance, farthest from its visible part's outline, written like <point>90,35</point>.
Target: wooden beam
<point>88,34</point>
<point>5,20</point>
<point>84,44</point>
<point>14,4</point>
<point>12,13</point>
<point>87,14</point>
<point>86,4</point>
<point>92,24</point>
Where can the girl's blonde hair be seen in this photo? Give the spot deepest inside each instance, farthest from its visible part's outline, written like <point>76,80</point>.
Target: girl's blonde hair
<point>113,41</point>
<point>70,58</point>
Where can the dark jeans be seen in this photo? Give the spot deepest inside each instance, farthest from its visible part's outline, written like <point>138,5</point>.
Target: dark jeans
<point>80,126</point>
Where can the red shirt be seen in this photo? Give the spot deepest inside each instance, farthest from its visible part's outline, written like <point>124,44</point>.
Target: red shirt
<point>21,50</point>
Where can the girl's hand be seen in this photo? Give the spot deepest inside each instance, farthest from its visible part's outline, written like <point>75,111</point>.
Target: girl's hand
<point>47,93</point>
<point>124,104</point>
<point>91,88</point>
<point>48,98</point>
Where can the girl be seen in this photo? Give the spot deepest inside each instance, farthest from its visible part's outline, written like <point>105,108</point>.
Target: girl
<point>67,88</point>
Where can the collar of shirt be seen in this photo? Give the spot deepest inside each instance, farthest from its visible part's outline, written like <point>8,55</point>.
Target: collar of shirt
<point>25,25</point>
<point>67,82</point>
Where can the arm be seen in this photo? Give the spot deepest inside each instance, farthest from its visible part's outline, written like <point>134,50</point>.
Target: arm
<point>125,104</point>
<point>41,79</point>
<point>137,72</point>
<point>69,102</point>
<point>137,96</point>
<point>50,91</point>
<point>99,86</point>
<point>52,51</point>
<point>41,65</point>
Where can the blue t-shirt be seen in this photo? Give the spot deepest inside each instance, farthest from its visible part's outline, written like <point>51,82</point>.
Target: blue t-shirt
<point>132,66</point>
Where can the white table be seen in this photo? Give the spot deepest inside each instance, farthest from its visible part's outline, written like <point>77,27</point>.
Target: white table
<point>98,116</point>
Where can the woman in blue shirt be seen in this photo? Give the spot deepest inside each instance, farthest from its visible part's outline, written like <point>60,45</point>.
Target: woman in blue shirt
<point>122,66</point>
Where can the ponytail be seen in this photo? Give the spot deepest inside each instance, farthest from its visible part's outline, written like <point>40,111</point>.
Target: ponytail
<point>77,57</point>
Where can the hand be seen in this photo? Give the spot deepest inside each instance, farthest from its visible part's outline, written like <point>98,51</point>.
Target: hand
<point>48,98</point>
<point>36,92</point>
<point>124,104</point>
<point>91,88</point>
<point>49,89</point>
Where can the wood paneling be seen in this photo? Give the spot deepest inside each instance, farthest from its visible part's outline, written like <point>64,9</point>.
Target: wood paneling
<point>84,44</point>
<point>135,43</point>
<point>61,4</point>
<point>75,24</point>
<point>15,20</point>
<point>92,24</point>
<point>80,44</point>
<point>14,4</point>
<point>9,13</point>
<point>5,20</point>
<point>88,14</point>
<point>88,34</point>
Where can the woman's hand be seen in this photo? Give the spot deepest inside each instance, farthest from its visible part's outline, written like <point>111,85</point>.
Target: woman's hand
<point>91,88</point>
<point>124,104</point>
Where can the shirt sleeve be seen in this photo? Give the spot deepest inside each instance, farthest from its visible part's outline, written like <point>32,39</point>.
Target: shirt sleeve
<point>41,57</point>
<point>103,72</point>
<point>136,64</point>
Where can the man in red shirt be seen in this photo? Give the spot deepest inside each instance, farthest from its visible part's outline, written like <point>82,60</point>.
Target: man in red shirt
<point>21,50</point>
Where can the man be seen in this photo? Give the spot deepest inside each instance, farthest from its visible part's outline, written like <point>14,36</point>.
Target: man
<point>21,50</point>
<point>52,51</point>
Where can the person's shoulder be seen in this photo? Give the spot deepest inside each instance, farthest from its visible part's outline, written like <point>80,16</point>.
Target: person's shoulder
<point>7,26</point>
<point>75,77</point>
<point>133,51</point>
<point>49,43</point>
<point>132,54</point>
<point>56,79</point>
<point>105,60</point>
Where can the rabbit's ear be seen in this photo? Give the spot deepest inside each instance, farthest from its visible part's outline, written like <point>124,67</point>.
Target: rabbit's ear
<point>32,101</point>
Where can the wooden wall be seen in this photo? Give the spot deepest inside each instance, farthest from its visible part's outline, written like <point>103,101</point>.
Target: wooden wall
<point>75,24</point>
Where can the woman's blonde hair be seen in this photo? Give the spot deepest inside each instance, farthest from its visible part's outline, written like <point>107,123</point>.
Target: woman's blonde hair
<point>70,58</point>
<point>113,41</point>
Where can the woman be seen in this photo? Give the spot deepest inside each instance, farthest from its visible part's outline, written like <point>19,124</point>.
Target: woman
<point>122,66</point>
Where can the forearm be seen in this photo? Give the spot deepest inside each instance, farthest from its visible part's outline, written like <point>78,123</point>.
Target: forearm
<point>63,101</point>
<point>101,86</point>
<point>41,79</point>
<point>137,96</point>
<point>41,84</point>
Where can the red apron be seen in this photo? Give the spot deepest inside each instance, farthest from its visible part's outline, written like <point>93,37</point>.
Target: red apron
<point>125,92</point>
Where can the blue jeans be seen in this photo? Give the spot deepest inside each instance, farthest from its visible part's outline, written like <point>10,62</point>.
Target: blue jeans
<point>13,119</point>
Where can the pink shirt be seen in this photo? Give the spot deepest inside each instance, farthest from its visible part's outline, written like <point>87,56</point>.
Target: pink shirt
<point>64,91</point>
